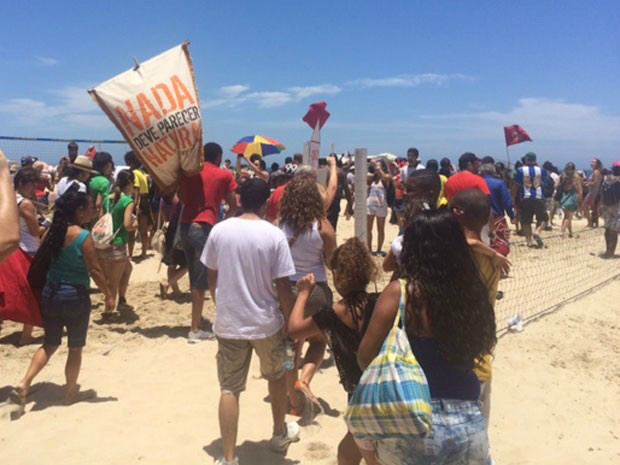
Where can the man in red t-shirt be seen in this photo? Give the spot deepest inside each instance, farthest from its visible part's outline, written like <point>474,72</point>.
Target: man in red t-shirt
<point>466,178</point>
<point>202,196</point>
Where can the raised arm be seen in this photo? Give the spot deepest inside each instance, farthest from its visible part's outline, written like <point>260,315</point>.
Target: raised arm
<point>332,183</point>
<point>300,327</point>
<point>9,216</point>
<point>29,214</point>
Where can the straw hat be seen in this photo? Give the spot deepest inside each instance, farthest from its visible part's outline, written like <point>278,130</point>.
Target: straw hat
<point>82,162</point>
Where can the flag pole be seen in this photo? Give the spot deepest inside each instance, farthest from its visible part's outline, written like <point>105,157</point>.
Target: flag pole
<point>507,156</point>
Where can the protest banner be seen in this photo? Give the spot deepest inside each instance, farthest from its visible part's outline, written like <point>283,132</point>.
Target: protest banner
<point>156,107</point>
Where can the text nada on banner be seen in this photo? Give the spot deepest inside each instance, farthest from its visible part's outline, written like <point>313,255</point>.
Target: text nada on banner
<point>156,107</point>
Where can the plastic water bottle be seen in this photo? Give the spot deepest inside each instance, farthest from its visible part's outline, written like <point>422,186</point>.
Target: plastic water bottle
<point>289,357</point>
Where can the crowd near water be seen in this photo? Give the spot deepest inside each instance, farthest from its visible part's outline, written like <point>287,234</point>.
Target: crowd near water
<point>262,241</point>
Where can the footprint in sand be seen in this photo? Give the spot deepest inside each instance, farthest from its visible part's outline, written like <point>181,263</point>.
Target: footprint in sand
<point>318,451</point>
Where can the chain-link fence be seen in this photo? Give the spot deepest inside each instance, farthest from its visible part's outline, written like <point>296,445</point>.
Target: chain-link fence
<point>541,280</point>
<point>52,150</point>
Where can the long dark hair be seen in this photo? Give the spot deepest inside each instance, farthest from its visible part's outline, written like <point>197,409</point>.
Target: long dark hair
<point>65,209</point>
<point>123,178</point>
<point>444,279</point>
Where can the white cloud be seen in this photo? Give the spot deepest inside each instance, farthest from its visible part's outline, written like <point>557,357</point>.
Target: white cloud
<point>46,61</point>
<point>300,93</point>
<point>408,80</point>
<point>70,106</point>
<point>233,91</point>
<point>269,99</point>
<point>235,95</point>
<point>542,118</point>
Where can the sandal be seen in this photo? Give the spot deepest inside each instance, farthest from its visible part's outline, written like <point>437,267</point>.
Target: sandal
<point>163,291</point>
<point>310,401</point>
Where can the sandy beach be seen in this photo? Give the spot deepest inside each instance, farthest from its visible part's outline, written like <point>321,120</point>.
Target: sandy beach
<point>154,397</point>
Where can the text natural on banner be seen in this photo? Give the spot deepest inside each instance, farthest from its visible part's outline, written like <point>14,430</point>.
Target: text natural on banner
<point>157,109</point>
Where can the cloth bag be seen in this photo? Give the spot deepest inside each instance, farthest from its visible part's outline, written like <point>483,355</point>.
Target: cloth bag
<point>392,399</point>
<point>159,238</point>
<point>103,231</point>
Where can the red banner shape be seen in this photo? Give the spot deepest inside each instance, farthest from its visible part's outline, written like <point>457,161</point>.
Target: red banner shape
<point>316,113</point>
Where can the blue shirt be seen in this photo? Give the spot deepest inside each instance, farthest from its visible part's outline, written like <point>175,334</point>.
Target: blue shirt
<point>501,202</point>
<point>531,178</point>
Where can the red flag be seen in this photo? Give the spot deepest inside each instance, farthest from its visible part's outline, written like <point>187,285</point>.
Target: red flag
<point>316,113</point>
<point>515,134</point>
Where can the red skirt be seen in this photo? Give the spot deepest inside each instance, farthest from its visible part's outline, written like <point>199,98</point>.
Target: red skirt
<point>18,302</point>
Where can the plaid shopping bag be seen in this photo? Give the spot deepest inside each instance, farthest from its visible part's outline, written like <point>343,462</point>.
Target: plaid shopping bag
<point>392,399</point>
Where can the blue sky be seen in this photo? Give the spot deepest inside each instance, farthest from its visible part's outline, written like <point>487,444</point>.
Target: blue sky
<point>441,76</point>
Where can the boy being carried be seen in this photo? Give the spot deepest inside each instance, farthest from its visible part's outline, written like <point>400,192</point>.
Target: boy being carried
<point>471,208</point>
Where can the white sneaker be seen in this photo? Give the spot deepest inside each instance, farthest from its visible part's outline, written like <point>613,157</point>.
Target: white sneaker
<point>279,443</point>
<point>223,461</point>
<point>199,336</point>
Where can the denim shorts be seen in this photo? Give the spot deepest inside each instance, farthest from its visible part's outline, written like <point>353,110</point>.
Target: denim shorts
<point>194,237</point>
<point>459,437</point>
<point>65,306</point>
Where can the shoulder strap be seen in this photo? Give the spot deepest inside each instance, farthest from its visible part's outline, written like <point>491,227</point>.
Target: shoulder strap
<point>402,307</point>
<point>81,238</point>
<point>161,207</point>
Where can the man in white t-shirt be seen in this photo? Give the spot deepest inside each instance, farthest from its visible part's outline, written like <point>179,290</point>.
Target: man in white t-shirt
<point>413,164</point>
<point>249,264</point>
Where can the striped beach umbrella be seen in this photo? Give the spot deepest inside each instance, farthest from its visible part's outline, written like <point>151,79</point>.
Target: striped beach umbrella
<point>263,146</point>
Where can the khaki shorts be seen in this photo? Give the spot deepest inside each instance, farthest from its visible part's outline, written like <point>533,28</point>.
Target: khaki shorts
<point>114,253</point>
<point>234,356</point>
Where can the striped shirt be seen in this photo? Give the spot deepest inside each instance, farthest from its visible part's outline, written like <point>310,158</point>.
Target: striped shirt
<point>531,179</point>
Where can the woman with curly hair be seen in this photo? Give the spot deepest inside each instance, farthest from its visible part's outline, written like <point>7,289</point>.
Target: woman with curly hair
<point>312,241</point>
<point>343,324</point>
<point>450,325</point>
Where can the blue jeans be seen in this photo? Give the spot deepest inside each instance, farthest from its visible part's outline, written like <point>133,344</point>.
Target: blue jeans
<point>65,306</point>
<point>194,237</point>
<point>459,437</point>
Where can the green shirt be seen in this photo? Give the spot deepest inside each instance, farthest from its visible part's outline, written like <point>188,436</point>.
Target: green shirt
<point>118,216</point>
<point>100,185</point>
<point>70,267</point>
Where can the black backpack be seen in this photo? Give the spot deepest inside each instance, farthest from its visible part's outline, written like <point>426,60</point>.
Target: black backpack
<point>547,187</point>
<point>611,192</point>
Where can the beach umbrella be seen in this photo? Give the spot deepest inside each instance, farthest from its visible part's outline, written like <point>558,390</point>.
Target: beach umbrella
<point>388,157</point>
<point>263,146</point>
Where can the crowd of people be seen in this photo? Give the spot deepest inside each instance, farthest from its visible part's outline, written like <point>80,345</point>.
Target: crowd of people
<point>262,242</point>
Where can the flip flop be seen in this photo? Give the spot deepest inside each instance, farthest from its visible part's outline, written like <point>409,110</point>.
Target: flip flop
<point>311,403</point>
<point>538,240</point>
<point>16,398</point>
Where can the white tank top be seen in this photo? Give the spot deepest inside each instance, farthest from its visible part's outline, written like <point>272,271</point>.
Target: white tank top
<point>307,252</point>
<point>27,242</point>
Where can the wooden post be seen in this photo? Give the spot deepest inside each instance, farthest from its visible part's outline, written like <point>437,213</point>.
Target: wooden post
<point>361,194</point>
